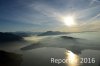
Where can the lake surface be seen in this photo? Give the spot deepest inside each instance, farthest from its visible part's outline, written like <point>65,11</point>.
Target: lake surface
<point>87,46</point>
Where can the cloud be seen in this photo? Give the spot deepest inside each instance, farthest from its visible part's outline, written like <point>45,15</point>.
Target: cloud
<point>46,10</point>
<point>93,2</point>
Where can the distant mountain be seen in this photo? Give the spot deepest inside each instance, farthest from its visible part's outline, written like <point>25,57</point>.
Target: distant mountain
<point>6,37</point>
<point>52,33</point>
<point>26,34</point>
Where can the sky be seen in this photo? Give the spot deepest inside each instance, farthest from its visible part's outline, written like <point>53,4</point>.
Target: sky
<point>45,15</point>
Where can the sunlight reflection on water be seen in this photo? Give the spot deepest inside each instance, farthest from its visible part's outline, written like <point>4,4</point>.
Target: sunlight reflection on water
<point>72,59</point>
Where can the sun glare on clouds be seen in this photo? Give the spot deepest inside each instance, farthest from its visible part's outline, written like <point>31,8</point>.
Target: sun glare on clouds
<point>69,21</point>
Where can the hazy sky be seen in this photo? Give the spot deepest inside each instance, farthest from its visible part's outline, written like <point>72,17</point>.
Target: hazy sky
<point>43,15</point>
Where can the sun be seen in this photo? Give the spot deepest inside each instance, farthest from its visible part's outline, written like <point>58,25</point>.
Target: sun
<point>69,21</point>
